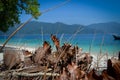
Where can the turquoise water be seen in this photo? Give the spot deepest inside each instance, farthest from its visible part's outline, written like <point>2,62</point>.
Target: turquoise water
<point>105,42</point>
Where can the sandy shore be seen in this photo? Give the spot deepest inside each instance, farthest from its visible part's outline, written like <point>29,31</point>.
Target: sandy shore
<point>31,49</point>
<point>100,60</point>
<point>11,47</point>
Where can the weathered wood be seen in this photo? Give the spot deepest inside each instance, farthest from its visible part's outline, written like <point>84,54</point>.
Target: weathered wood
<point>30,74</point>
<point>93,76</point>
<point>66,60</point>
<point>12,58</point>
<point>106,76</point>
<point>55,41</point>
<point>63,76</point>
<point>34,74</point>
<point>41,53</point>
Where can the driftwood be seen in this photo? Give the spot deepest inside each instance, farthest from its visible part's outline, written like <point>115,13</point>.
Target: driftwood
<point>42,53</point>
<point>29,74</point>
<point>55,41</point>
<point>93,76</point>
<point>15,58</point>
<point>12,58</point>
<point>114,68</point>
<point>34,74</point>
<point>106,76</point>
<point>63,76</point>
<point>76,73</point>
<point>66,63</point>
<point>63,57</point>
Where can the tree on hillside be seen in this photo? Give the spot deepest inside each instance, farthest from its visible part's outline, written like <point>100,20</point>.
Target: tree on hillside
<point>10,11</point>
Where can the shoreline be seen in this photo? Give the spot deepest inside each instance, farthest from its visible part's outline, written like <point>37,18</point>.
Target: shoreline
<point>102,61</point>
<point>32,50</point>
<point>98,61</point>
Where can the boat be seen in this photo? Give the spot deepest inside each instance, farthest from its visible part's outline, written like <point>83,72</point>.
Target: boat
<point>116,37</point>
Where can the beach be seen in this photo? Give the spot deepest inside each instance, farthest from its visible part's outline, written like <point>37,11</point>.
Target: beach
<point>96,45</point>
<point>98,59</point>
<point>102,63</point>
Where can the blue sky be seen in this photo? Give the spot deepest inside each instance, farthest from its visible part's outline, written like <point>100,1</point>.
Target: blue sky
<point>83,12</point>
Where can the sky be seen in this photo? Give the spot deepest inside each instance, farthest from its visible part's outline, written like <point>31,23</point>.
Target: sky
<point>83,12</point>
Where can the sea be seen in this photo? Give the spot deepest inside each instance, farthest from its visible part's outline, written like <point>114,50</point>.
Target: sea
<point>93,43</point>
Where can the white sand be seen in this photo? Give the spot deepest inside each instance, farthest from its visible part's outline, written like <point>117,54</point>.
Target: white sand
<point>102,62</point>
<point>21,48</point>
<point>32,50</point>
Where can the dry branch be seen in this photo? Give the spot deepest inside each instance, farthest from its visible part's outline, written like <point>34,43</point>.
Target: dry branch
<point>29,74</point>
<point>34,74</point>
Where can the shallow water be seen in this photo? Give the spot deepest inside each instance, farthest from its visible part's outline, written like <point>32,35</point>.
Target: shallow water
<point>98,42</point>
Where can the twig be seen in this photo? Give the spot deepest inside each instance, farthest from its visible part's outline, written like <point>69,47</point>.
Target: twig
<point>30,74</point>
<point>35,74</point>
<point>44,77</point>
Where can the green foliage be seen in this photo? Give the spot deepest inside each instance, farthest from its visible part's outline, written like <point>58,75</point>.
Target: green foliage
<point>10,11</point>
